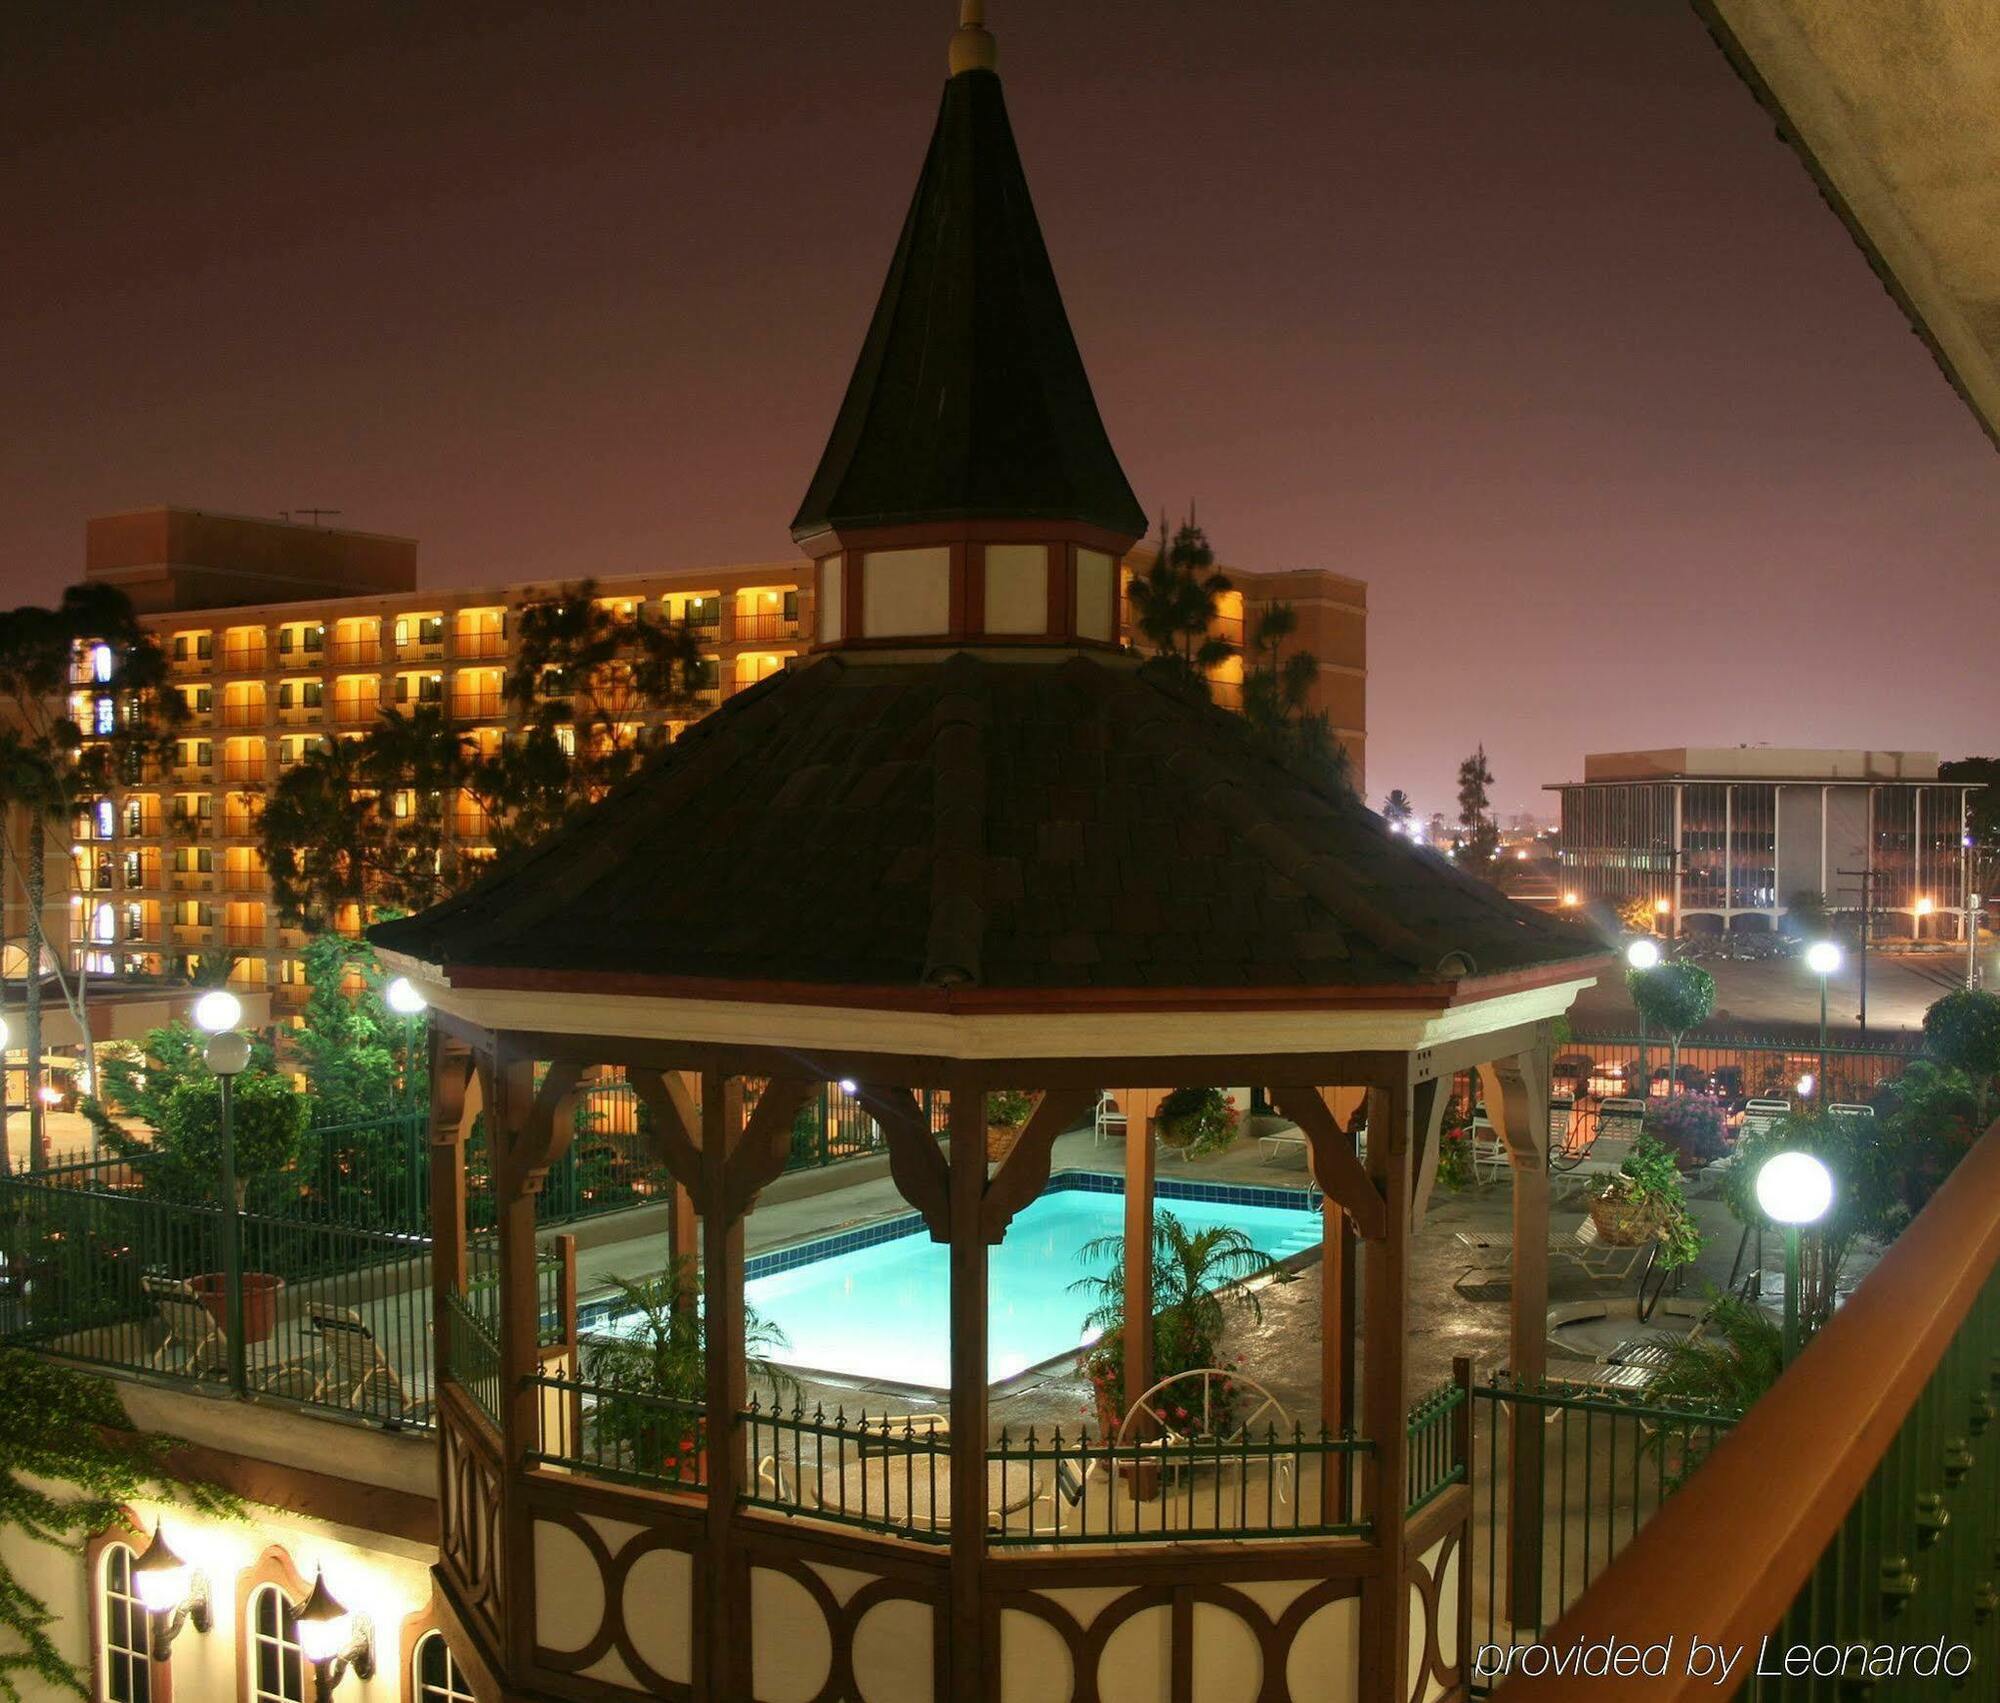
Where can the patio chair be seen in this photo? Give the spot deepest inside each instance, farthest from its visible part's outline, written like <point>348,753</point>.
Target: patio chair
<point>1489,1150</point>
<point>191,1328</point>
<point>1110,1121</point>
<point>1760,1115</point>
<point>1282,1141</point>
<point>1599,1261</point>
<point>355,1368</point>
<point>1848,1111</point>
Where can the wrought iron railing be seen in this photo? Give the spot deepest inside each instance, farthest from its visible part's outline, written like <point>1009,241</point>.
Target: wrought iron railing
<point>1566,1476</point>
<point>472,1356</point>
<point>626,1435</point>
<point>1437,1457</point>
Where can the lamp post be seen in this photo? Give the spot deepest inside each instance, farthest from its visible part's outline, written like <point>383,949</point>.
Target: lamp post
<point>402,998</point>
<point>1822,958</point>
<point>227,1053</point>
<point>1644,954</point>
<point>1793,1189</point>
<point>1972,903</point>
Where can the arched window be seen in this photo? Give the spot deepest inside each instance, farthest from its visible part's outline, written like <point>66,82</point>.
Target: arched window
<point>439,1677</point>
<point>277,1664</point>
<point>125,1665</point>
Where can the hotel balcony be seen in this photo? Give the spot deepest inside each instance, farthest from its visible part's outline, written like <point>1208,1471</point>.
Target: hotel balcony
<point>181,666</point>
<point>191,880</point>
<point>348,652</point>
<point>763,625</point>
<point>241,714</point>
<point>477,706</point>
<point>298,657</point>
<point>420,650</point>
<point>245,659</point>
<point>355,712</point>
<point>190,933</point>
<point>243,934</point>
<point>243,769</point>
<point>470,647</point>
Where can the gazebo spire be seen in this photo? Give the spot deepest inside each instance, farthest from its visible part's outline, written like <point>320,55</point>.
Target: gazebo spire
<point>972,45</point>
<point>968,490</point>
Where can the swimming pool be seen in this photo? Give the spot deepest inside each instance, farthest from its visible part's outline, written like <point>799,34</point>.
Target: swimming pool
<point>873,1303</point>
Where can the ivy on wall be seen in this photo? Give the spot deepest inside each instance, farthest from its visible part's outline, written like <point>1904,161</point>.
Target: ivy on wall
<point>68,1430</point>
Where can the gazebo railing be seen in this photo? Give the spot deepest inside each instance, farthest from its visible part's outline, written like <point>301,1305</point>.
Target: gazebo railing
<point>1439,1433</point>
<point>628,1436</point>
<point>1059,1490</point>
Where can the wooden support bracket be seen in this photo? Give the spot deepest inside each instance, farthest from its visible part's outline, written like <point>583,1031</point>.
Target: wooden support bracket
<point>760,1151</point>
<point>1024,1173</point>
<point>1334,1165</point>
<point>676,1132</point>
<point>916,1162</point>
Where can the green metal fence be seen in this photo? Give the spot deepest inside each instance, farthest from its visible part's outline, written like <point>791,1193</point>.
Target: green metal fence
<point>1562,1478</point>
<point>1437,1454</point>
<point>628,1436</point>
<point>473,1356</point>
<point>1735,1067</point>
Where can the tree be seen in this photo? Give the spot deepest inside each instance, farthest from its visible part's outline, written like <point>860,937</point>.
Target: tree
<point>1176,600</point>
<point>1277,694</point>
<point>1807,914</point>
<point>1675,996</point>
<point>70,1462</point>
<point>1479,834</point>
<point>267,1125</point>
<point>368,821</point>
<point>1397,808</point>
<point>1963,1031</point>
<point>584,677</point>
<point>87,708</point>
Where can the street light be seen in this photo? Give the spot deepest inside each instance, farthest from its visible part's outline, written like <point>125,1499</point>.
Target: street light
<point>402,998</point>
<point>1924,907</point>
<point>1643,954</point>
<point>1793,1190</point>
<point>1822,958</point>
<point>227,1054</point>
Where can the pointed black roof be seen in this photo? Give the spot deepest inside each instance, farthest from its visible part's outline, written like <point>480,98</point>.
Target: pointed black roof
<point>1089,824</point>
<point>969,401</point>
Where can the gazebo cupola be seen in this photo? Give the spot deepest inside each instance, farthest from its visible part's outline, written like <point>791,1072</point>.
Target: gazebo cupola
<point>968,494</point>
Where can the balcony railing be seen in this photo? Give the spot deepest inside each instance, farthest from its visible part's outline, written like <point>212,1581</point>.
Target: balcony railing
<point>766,624</point>
<point>242,768</point>
<point>301,715</point>
<point>477,706</point>
<point>471,646</point>
<point>243,934</point>
<point>245,659</point>
<point>355,712</point>
<point>1857,1503</point>
<point>191,664</point>
<point>245,715</point>
<point>299,657</point>
<point>345,652</point>
<point>192,881</point>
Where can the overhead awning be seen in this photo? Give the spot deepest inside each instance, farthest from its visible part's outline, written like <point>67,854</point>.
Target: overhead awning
<point>1894,106</point>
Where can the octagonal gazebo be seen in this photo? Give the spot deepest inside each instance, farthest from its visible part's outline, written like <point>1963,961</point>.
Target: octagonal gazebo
<point>969,845</point>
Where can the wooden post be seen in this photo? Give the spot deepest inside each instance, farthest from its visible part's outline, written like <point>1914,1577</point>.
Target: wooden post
<point>450,1069</point>
<point>1385,1402</point>
<point>968,1393</point>
<point>684,1234</point>
<point>1334,1394</point>
<point>1139,1152</point>
<point>509,1105</point>
<point>724,1673</point>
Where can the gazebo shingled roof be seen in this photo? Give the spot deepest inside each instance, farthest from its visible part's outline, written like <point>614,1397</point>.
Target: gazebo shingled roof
<point>1089,823</point>
<point>969,399</point>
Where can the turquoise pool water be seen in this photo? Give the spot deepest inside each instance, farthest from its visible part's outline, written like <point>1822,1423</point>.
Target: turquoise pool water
<point>879,1311</point>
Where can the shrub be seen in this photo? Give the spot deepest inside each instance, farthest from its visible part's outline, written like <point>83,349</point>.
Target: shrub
<point>1962,1030</point>
<point>1673,997</point>
<point>1692,1127</point>
<point>1009,1108</point>
<point>267,1124</point>
<point>1198,1121</point>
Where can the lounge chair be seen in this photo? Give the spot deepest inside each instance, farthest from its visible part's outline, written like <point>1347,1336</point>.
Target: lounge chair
<point>1760,1115</point>
<point>355,1373</point>
<point>1583,1247</point>
<point>193,1336</point>
<point>1279,1141</point>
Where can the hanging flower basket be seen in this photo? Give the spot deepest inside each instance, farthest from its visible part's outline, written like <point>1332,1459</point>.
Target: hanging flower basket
<point>1624,1223</point>
<point>1007,1114</point>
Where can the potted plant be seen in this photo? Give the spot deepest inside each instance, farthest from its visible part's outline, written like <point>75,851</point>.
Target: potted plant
<point>651,1378</point>
<point>1646,1199</point>
<point>267,1124</point>
<point>1007,1113</point>
<point>1455,1170</point>
<point>1196,1121</point>
<point>1675,996</point>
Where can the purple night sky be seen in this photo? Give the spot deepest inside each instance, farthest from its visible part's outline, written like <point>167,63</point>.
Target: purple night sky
<point>1519,312</point>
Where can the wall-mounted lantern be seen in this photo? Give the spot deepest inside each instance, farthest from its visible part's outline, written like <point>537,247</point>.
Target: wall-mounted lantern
<point>334,1641</point>
<point>173,1594</point>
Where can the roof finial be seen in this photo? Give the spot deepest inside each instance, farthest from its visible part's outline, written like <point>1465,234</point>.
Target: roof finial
<point>972,46</point>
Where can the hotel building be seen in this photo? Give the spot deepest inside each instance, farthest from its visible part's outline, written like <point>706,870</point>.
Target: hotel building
<point>1727,839</point>
<point>282,635</point>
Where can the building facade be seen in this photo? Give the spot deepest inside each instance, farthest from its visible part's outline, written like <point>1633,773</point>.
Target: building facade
<point>282,635</point>
<point>1734,839</point>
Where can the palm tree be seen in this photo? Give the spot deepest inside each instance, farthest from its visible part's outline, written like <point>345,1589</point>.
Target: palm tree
<point>1397,808</point>
<point>1191,1268</point>
<point>659,1358</point>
